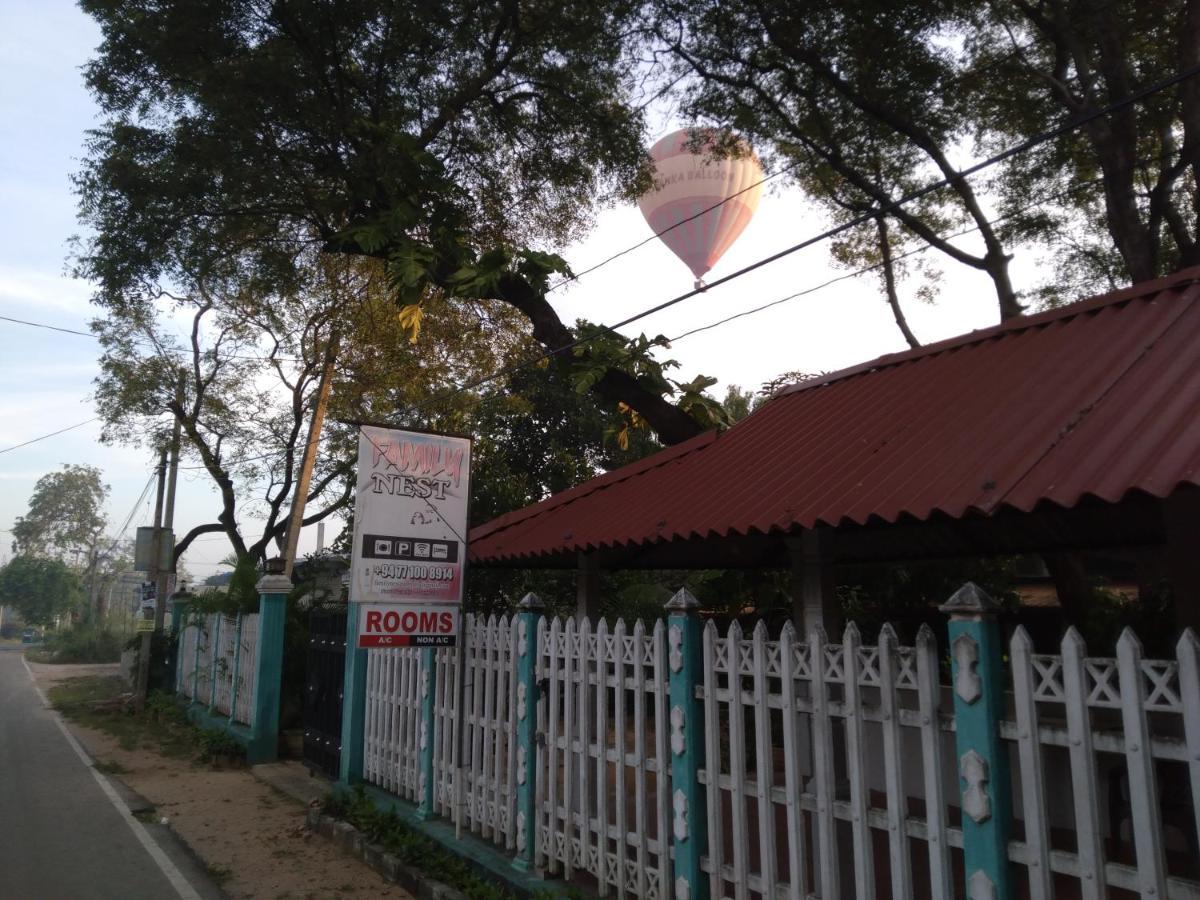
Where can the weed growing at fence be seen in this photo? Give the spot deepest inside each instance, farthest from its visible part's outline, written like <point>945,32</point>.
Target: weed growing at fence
<point>101,703</point>
<point>81,644</point>
<point>409,846</point>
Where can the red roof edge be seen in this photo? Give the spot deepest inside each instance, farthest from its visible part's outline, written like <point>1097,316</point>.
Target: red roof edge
<point>1021,323</point>
<point>661,458</point>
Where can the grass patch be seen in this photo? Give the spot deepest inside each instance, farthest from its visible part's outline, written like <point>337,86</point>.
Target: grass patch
<point>101,702</point>
<point>410,846</point>
<point>109,767</point>
<point>218,873</point>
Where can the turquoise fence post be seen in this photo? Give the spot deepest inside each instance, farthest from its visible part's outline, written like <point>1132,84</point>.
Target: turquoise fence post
<point>528,617</point>
<point>689,827</point>
<point>425,783</point>
<point>180,602</point>
<point>273,589</point>
<point>354,703</point>
<point>976,650</point>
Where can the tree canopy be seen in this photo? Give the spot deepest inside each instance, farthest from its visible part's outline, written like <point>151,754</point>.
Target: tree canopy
<point>459,142</point>
<point>39,589</point>
<point>65,517</point>
<point>864,101</point>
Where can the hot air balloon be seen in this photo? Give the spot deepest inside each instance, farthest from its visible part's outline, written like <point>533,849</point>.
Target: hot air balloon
<point>714,199</point>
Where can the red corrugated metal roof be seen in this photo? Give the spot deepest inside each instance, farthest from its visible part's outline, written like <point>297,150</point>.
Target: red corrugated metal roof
<point>1095,399</point>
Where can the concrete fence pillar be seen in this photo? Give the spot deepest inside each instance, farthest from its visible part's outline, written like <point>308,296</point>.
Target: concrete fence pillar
<point>273,589</point>
<point>689,822</point>
<point>977,670</point>
<point>354,703</point>
<point>529,617</point>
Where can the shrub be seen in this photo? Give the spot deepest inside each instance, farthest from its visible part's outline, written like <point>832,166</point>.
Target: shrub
<point>83,644</point>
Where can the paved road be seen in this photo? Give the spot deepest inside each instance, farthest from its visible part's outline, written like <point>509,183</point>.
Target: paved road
<point>61,836</point>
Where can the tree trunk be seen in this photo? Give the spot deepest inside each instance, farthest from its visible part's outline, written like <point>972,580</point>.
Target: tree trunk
<point>889,283</point>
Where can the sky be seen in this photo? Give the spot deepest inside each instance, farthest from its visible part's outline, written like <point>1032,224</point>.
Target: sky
<point>46,377</point>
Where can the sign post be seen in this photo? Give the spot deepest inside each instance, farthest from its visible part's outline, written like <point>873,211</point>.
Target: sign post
<point>407,568</point>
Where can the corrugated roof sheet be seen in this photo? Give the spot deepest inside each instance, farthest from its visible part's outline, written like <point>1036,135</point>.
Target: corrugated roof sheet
<point>1095,399</point>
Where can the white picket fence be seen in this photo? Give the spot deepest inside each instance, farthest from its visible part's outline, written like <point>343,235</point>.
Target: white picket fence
<point>831,769</point>
<point>212,651</point>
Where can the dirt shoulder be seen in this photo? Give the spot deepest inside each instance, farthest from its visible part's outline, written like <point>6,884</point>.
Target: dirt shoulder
<point>253,839</point>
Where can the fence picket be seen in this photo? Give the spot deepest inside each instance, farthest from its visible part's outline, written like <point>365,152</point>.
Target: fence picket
<point>552,674</point>
<point>737,765</point>
<point>1143,788</point>
<point>712,763</point>
<point>489,656</point>
<point>793,783</point>
<point>1084,777</point>
<point>897,797</point>
<point>601,708</point>
<point>621,796</point>
<point>1029,754</point>
<point>639,756</point>
<point>856,762</point>
<point>764,763</point>
<point>929,702</point>
<point>542,837</point>
<point>662,788</point>
<point>822,727</point>
<point>587,656</point>
<point>511,756</point>
<point>1187,653</point>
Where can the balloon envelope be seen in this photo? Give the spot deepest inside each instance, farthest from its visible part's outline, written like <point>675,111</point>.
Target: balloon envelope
<point>688,187</point>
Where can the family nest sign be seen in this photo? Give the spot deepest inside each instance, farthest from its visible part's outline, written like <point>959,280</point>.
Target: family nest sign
<point>410,526</point>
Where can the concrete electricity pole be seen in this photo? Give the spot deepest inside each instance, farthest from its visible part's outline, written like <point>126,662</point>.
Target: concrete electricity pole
<point>143,677</point>
<point>300,495</point>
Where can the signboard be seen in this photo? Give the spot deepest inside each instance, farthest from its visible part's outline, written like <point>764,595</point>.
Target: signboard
<point>145,626</point>
<point>143,549</point>
<point>410,527</point>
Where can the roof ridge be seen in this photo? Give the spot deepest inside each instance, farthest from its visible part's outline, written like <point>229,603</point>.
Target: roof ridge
<point>1013,326</point>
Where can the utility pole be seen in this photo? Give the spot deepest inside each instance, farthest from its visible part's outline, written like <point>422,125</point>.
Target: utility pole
<point>143,679</point>
<point>300,496</point>
<point>160,586</point>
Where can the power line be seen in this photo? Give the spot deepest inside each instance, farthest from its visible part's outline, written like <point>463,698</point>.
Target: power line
<point>1021,147</point>
<point>148,342</point>
<point>132,513</point>
<point>1045,198</point>
<point>50,435</point>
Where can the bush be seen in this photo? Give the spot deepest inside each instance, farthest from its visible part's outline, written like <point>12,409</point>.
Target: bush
<point>83,644</point>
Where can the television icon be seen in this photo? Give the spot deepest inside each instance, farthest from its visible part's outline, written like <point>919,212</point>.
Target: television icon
<point>441,551</point>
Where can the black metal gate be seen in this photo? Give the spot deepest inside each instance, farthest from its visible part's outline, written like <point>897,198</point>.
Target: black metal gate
<point>325,669</point>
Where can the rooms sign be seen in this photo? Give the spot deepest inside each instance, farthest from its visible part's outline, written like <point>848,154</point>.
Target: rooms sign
<point>410,526</point>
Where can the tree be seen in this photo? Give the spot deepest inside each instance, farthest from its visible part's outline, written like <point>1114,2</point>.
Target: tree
<point>858,102</point>
<point>39,589</point>
<point>249,371</point>
<point>454,141</point>
<point>66,516</point>
<point>1034,63</point>
<point>864,101</point>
